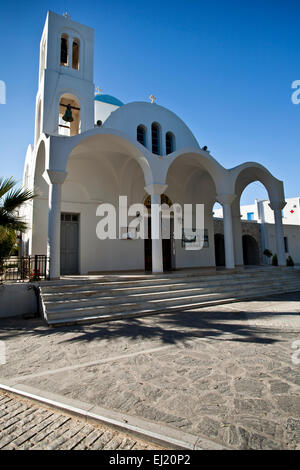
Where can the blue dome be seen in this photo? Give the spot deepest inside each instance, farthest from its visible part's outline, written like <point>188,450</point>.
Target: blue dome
<point>108,99</point>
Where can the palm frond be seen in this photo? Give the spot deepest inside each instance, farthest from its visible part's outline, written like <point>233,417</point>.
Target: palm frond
<point>16,198</point>
<point>6,185</point>
<point>12,222</point>
<point>11,199</point>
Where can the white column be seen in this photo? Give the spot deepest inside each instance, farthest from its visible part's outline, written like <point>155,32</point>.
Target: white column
<point>54,179</point>
<point>237,239</point>
<point>277,208</point>
<point>155,191</point>
<point>226,201</point>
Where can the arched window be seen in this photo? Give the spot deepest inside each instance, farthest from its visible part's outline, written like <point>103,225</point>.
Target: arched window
<point>170,143</point>
<point>75,54</point>
<point>141,134</point>
<point>155,131</point>
<point>69,115</point>
<point>64,50</point>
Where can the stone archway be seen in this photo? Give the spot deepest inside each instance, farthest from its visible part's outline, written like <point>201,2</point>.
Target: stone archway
<point>250,250</point>
<point>219,249</point>
<point>244,175</point>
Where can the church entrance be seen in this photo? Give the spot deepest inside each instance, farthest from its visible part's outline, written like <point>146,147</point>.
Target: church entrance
<point>250,250</point>
<point>69,243</point>
<point>167,243</point>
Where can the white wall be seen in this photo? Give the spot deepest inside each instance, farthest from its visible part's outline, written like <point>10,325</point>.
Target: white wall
<point>16,300</point>
<point>292,233</point>
<point>103,110</point>
<point>289,218</point>
<point>249,208</point>
<point>129,116</point>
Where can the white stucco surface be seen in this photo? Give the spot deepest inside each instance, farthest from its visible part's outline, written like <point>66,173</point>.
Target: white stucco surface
<point>17,299</point>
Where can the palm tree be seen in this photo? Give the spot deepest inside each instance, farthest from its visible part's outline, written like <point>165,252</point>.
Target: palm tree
<point>11,198</point>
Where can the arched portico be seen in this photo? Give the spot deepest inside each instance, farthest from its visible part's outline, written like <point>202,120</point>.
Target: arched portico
<point>192,178</point>
<point>243,175</point>
<point>99,168</point>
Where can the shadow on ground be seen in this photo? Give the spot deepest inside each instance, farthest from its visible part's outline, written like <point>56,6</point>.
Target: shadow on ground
<point>168,328</point>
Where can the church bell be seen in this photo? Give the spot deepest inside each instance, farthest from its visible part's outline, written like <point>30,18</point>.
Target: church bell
<point>68,114</point>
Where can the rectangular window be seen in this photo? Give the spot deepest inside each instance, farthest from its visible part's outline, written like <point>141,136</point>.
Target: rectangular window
<point>286,244</point>
<point>250,215</point>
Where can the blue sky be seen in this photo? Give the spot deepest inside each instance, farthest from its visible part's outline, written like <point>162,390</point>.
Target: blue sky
<point>224,67</point>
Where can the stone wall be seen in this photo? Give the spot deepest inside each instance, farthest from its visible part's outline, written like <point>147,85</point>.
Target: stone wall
<point>251,228</point>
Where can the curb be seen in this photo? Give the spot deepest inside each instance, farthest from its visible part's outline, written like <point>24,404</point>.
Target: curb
<point>162,435</point>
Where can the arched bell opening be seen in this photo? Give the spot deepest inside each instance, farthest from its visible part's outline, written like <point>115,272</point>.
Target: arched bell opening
<point>69,121</point>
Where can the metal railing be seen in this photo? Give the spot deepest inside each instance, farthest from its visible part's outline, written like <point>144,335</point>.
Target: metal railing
<point>24,268</point>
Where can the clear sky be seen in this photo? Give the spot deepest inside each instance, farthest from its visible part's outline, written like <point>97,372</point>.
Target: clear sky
<point>225,67</point>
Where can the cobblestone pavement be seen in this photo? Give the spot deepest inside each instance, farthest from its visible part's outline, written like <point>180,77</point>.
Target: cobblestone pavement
<point>26,426</point>
<point>224,373</point>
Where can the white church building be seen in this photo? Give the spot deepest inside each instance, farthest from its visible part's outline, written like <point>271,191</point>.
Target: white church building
<point>107,149</point>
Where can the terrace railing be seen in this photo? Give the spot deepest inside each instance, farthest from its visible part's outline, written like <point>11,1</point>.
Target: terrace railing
<point>24,268</point>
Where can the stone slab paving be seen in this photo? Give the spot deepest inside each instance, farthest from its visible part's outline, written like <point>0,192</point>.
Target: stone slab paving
<point>28,426</point>
<point>224,373</point>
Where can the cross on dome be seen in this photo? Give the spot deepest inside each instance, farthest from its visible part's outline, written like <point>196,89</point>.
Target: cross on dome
<point>152,98</point>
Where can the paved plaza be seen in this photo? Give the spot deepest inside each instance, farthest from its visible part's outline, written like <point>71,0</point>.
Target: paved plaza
<point>25,426</point>
<point>222,373</point>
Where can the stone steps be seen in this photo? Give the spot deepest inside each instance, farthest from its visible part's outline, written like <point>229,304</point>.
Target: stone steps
<point>86,286</point>
<point>143,294</point>
<point>151,279</point>
<point>115,297</point>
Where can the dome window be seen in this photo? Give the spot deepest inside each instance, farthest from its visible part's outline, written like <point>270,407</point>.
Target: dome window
<point>141,135</point>
<point>155,130</point>
<point>170,143</point>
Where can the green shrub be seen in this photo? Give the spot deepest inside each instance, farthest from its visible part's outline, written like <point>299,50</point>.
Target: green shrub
<point>267,253</point>
<point>289,261</point>
<point>275,260</point>
<point>8,240</point>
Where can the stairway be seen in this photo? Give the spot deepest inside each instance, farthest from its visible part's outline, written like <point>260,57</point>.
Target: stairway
<point>112,297</point>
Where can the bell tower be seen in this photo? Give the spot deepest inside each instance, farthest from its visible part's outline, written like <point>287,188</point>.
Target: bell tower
<point>65,97</point>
